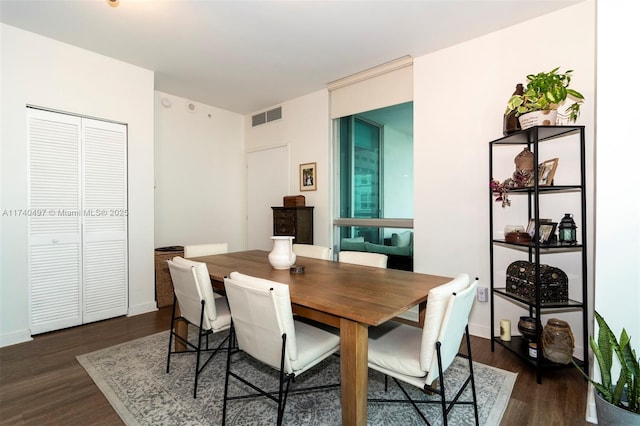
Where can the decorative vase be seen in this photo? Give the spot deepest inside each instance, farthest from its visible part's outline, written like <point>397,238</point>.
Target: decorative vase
<point>557,341</point>
<point>282,255</point>
<point>524,160</point>
<point>612,415</point>
<point>538,118</point>
<point>527,327</point>
<point>510,123</point>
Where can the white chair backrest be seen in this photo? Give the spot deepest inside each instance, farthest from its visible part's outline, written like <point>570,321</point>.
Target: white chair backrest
<point>437,302</point>
<point>261,314</point>
<point>204,283</point>
<point>197,250</point>
<point>188,293</point>
<point>363,258</point>
<point>310,250</point>
<point>454,321</point>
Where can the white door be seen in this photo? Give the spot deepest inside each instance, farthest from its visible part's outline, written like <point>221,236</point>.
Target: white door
<point>55,264</point>
<point>267,184</point>
<point>104,219</point>
<point>77,220</point>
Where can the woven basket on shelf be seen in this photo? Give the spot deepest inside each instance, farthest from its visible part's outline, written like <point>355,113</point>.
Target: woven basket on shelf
<point>164,286</point>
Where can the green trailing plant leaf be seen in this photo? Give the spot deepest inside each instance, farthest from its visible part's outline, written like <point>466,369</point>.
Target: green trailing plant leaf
<point>546,91</point>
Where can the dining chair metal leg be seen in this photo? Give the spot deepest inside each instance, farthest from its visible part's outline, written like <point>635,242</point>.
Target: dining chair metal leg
<point>173,320</point>
<point>473,381</point>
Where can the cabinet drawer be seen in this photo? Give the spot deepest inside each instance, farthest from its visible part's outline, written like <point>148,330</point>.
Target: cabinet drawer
<point>284,215</point>
<point>294,221</point>
<point>284,228</point>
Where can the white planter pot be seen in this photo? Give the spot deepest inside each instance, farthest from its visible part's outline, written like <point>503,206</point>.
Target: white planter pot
<point>538,118</point>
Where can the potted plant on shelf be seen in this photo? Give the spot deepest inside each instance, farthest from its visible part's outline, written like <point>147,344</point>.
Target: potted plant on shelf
<point>544,93</point>
<point>619,402</point>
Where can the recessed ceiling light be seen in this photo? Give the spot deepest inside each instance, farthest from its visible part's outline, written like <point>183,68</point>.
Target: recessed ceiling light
<point>166,102</point>
<point>113,3</point>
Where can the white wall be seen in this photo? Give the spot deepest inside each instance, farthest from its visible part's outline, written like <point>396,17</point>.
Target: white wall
<point>618,206</point>
<point>43,72</point>
<point>199,174</point>
<point>454,123</point>
<point>304,127</point>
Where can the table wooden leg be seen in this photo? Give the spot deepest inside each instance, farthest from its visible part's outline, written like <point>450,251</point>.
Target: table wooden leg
<point>422,313</point>
<point>354,372</point>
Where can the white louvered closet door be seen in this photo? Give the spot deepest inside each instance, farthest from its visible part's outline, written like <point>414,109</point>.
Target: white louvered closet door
<point>54,221</point>
<point>77,220</point>
<point>104,198</point>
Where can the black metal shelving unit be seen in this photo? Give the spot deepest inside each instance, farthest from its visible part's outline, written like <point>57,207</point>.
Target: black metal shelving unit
<point>531,138</point>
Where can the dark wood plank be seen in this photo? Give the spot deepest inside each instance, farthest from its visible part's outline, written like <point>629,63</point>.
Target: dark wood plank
<point>41,383</point>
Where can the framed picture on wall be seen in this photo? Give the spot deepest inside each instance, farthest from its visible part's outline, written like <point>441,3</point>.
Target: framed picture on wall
<point>308,177</point>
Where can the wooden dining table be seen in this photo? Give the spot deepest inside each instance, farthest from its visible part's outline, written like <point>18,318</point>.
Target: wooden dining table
<point>350,297</point>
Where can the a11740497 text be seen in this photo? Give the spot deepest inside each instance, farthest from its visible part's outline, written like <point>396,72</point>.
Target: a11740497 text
<point>48,212</point>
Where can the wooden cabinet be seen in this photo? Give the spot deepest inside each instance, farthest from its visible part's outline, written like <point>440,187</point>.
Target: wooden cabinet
<point>294,221</point>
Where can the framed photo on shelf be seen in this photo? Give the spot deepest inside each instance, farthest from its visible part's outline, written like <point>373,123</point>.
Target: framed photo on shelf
<point>547,231</point>
<point>546,171</point>
<point>308,177</point>
<point>531,227</point>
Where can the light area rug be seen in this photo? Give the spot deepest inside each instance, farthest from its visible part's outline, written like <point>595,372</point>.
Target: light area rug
<point>133,378</point>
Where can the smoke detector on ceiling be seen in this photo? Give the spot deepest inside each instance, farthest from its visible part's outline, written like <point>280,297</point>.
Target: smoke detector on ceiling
<point>191,107</point>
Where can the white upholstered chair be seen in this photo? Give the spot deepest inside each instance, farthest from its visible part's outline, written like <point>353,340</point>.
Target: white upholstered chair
<point>193,294</point>
<point>197,250</point>
<point>363,258</point>
<point>264,328</point>
<point>419,357</point>
<point>314,251</point>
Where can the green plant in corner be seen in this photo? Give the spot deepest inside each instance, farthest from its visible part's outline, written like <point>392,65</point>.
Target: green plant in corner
<point>629,379</point>
<point>547,91</point>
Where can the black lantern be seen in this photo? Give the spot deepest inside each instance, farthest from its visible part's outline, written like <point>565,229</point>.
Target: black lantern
<point>567,230</point>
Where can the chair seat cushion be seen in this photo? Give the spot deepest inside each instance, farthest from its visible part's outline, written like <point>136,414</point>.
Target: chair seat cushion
<point>314,345</point>
<point>398,350</point>
<point>223,317</point>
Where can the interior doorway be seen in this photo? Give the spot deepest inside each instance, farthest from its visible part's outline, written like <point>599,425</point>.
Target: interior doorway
<point>267,183</point>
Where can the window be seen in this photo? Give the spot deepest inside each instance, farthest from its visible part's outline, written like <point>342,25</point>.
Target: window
<point>375,163</point>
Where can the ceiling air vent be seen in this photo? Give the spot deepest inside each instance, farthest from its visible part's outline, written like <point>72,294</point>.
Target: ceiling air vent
<point>267,116</point>
<point>259,119</point>
<point>274,114</point>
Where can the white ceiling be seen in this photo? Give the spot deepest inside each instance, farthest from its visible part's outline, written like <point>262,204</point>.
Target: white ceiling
<point>246,56</point>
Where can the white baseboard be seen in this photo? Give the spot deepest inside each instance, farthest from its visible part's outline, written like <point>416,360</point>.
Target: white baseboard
<point>590,412</point>
<point>15,337</point>
<point>480,330</point>
<point>142,309</point>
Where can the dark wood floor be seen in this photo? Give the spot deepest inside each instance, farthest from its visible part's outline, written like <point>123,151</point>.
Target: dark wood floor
<point>41,383</point>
